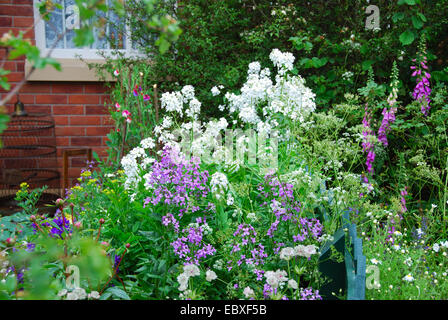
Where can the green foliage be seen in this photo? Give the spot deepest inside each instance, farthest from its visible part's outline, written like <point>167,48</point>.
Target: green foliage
<point>334,48</point>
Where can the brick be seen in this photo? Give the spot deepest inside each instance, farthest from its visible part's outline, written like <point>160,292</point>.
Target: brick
<point>96,110</point>
<point>70,131</point>
<point>61,120</point>
<point>20,66</point>
<point>62,141</point>
<point>23,22</point>
<point>25,98</point>
<point>31,87</point>
<point>83,99</point>
<point>67,88</point>
<point>52,99</point>
<point>23,2</point>
<point>101,151</point>
<point>16,10</point>
<point>85,120</point>
<point>68,110</point>
<point>15,76</point>
<point>98,131</point>
<point>95,88</point>
<point>27,33</point>
<point>5,21</point>
<point>105,99</point>
<point>10,65</point>
<point>38,109</point>
<point>85,141</point>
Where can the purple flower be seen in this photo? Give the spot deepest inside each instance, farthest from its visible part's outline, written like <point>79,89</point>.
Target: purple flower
<point>422,90</point>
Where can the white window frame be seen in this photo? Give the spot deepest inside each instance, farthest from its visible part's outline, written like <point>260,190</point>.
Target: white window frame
<point>84,53</point>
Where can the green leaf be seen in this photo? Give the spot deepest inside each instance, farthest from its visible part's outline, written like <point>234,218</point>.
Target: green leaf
<point>398,16</point>
<point>407,37</point>
<point>422,16</point>
<point>417,22</point>
<point>367,64</point>
<point>117,292</point>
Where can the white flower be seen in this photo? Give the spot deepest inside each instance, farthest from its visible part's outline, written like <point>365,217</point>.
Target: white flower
<point>375,261</point>
<point>310,250</point>
<point>271,280</point>
<point>287,253</point>
<point>248,292</point>
<point>188,93</point>
<point>210,275</point>
<point>230,199</point>
<point>283,61</point>
<point>182,279</point>
<point>94,295</point>
<point>62,293</point>
<point>305,251</point>
<point>219,182</point>
<point>191,270</point>
<point>408,278</point>
<point>172,101</point>
<point>147,143</point>
<point>215,91</point>
<point>292,284</point>
<point>81,293</point>
<point>436,247</point>
<point>252,216</point>
<point>254,68</point>
<point>72,296</point>
<point>275,278</point>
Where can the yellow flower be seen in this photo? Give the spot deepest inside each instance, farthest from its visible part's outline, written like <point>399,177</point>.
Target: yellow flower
<point>69,218</point>
<point>24,185</point>
<point>91,181</point>
<point>77,188</point>
<point>86,174</point>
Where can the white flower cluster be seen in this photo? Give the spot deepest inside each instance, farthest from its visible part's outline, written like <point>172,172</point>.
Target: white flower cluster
<point>437,246</point>
<point>78,294</point>
<point>248,293</point>
<point>219,184</point>
<point>190,270</point>
<point>210,275</point>
<point>136,160</point>
<point>276,278</point>
<point>174,102</point>
<point>300,250</point>
<point>288,96</point>
<point>216,90</point>
<point>282,60</point>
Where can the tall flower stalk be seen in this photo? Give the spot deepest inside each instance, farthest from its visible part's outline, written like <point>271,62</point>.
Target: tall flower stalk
<point>422,90</point>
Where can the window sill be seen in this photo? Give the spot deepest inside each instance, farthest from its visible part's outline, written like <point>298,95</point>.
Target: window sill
<point>71,70</point>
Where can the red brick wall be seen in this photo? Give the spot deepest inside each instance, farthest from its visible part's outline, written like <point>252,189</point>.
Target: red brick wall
<point>78,109</point>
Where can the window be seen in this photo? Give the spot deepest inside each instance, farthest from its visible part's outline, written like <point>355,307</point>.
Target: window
<point>59,31</point>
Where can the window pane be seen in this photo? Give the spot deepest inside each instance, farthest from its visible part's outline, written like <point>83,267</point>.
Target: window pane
<point>71,22</point>
<point>67,20</point>
<point>53,28</point>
